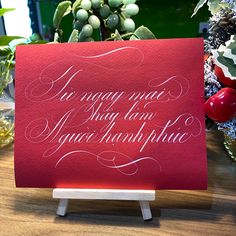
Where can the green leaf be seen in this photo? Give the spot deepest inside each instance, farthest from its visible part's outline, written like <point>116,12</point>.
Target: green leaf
<point>229,51</point>
<point>226,64</point>
<point>9,63</point>
<point>214,6</point>
<point>38,42</point>
<point>226,5</point>
<point>198,6</point>
<point>4,51</point>
<point>63,9</point>
<point>231,44</point>
<point>233,51</point>
<point>116,36</point>
<point>5,40</point>
<point>229,64</point>
<point>75,6</point>
<point>142,33</point>
<point>16,42</point>
<point>74,37</point>
<point>4,10</point>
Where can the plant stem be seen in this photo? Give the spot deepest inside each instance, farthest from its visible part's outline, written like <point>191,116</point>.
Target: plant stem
<point>122,36</point>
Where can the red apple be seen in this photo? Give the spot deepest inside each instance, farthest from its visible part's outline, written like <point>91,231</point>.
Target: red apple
<point>224,80</point>
<point>221,107</point>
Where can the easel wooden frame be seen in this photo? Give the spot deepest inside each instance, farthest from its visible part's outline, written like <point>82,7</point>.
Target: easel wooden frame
<point>142,196</point>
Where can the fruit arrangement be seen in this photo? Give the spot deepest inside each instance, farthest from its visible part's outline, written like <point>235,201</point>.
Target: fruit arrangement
<point>220,69</point>
<point>221,106</point>
<point>110,19</point>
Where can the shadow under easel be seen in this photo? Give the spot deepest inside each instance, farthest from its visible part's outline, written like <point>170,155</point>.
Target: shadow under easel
<point>169,205</point>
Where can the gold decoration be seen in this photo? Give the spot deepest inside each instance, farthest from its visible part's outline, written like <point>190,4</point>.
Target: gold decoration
<point>230,146</point>
<point>6,131</point>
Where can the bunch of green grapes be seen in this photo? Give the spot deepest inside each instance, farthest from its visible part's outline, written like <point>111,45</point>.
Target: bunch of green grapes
<point>90,15</point>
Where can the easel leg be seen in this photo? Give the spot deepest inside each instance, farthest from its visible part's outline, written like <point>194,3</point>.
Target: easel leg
<point>62,207</point>
<point>145,208</point>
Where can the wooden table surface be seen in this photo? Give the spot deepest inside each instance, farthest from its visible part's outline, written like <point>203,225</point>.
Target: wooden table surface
<point>212,212</point>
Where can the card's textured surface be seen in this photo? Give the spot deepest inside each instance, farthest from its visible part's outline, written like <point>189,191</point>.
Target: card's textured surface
<point>111,115</point>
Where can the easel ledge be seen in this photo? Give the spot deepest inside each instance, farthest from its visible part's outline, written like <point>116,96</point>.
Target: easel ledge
<point>143,196</point>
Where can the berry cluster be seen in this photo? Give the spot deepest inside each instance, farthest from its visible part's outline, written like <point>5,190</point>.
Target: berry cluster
<point>90,15</point>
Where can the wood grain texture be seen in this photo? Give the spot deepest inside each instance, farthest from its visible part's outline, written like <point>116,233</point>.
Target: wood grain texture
<point>212,212</point>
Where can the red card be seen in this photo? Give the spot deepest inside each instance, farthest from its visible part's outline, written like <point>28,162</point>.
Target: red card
<point>120,115</point>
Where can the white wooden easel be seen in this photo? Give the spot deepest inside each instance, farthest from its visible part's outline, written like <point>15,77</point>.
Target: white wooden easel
<point>143,196</point>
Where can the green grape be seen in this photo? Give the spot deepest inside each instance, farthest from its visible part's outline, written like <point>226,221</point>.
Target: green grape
<point>129,25</point>
<point>126,2</point>
<point>131,9</point>
<point>78,25</point>
<point>87,30</point>
<point>94,21</point>
<point>86,4</point>
<point>105,11</point>
<point>81,37</point>
<point>89,39</point>
<point>114,3</point>
<point>112,21</point>
<point>82,15</point>
<point>96,3</point>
